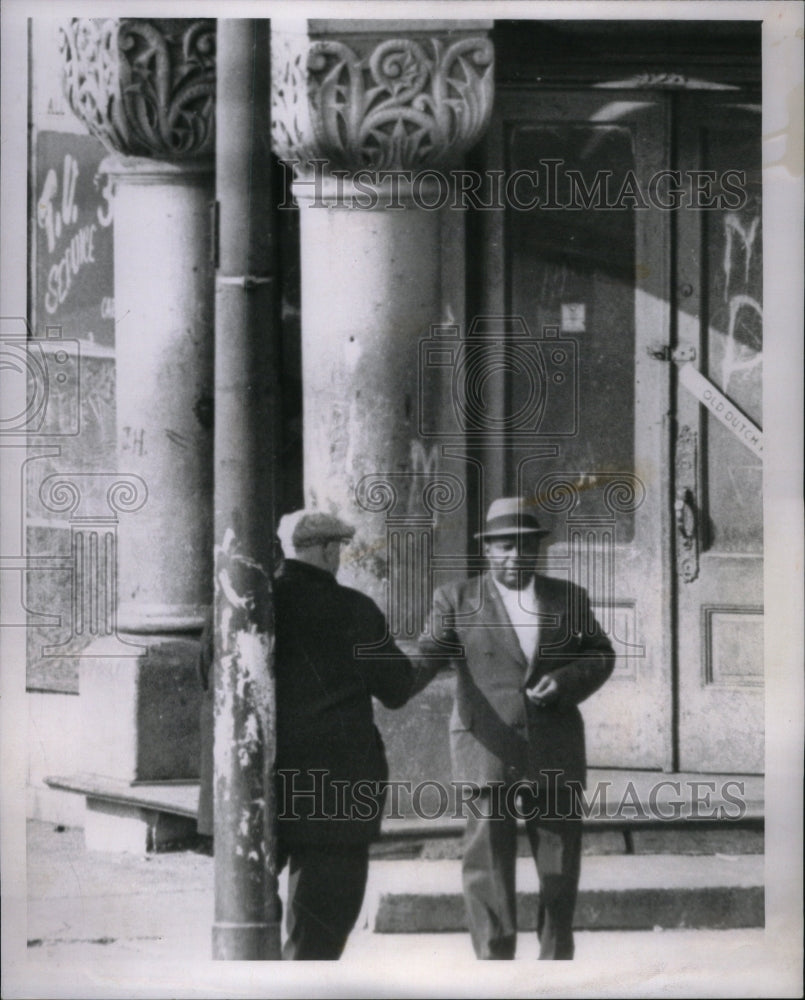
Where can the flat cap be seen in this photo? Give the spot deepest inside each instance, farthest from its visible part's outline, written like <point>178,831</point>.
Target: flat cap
<point>312,527</point>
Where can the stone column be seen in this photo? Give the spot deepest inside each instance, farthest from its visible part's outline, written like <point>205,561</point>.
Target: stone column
<point>164,361</point>
<point>372,115</point>
<point>146,89</point>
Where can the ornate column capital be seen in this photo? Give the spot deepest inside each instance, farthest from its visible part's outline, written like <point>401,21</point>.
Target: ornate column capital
<point>380,95</point>
<point>143,87</point>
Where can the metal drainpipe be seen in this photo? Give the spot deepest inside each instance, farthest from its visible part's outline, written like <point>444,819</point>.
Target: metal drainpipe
<point>247,908</point>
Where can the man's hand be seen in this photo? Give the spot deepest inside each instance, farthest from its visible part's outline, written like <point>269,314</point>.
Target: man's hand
<point>544,692</point>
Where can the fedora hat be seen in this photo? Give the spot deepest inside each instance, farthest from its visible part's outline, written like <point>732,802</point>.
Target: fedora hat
<point>510,516</point>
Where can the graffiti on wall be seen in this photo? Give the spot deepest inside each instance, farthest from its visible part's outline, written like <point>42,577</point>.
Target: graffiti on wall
<point>743,342</point>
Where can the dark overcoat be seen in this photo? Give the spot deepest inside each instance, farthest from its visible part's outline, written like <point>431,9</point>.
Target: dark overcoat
<point>333,655</point>
<point>497,734</point>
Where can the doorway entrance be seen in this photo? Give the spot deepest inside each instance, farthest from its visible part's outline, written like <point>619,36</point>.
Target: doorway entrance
<point>631,247</point>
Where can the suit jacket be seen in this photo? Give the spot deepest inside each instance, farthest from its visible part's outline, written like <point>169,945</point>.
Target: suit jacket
<point>497,734</point>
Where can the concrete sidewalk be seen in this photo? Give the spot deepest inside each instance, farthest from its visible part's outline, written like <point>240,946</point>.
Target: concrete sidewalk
<point>154,913</point>
<point>73,892</point>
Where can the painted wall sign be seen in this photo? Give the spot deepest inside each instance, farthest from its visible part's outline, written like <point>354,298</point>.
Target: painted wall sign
<point>722,408</point>
<point>574,317</point>
<point>73,274</point>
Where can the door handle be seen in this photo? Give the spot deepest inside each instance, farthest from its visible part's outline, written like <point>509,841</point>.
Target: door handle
<point>685,513</point>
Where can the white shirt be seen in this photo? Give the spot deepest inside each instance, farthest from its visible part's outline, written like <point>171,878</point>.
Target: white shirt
<point>522,607</point>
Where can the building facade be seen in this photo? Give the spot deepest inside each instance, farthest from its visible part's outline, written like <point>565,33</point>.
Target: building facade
<point>515,257</point>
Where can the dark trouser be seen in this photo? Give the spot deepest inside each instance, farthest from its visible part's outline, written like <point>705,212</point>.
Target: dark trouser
<point>326,885</point>
<point>488,871</point>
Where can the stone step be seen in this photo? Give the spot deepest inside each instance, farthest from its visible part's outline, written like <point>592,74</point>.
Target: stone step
<point>637,802</point>
<point>120,815</point>
<point>421,892</point>
<point>179,798</point>
<point>616,892</point>
<point>129,817</point>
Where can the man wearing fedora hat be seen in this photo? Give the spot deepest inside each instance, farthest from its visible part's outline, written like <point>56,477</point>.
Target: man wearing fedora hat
<point>526,650</point>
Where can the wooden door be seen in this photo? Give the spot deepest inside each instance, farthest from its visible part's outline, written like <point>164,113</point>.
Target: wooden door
<point>717,471</point>
<point>578,265</point>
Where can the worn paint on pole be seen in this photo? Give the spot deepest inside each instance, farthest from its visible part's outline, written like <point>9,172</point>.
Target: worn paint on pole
<point>247,908</point>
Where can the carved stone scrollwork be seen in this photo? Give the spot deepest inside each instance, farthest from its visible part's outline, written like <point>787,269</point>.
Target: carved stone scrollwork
<point>399,103</point>
<point>663,81</point>
<point>144,88</point>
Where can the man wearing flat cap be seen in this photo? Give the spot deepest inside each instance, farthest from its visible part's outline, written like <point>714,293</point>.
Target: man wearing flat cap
<point>526,650</point>
<point>330,760</point>
<point>331,763</point>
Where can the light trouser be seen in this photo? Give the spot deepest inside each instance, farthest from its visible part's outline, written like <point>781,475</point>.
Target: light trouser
<point>488,873</point>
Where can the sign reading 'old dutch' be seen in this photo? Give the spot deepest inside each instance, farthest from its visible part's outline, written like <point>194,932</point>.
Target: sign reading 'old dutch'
<point>73,210</point>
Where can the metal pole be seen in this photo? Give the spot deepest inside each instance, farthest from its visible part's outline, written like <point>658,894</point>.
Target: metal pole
<point>247,909</point>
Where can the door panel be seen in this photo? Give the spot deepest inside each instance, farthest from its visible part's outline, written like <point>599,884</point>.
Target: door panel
<point>590,281</point>
<point>719,479</point>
